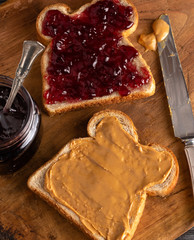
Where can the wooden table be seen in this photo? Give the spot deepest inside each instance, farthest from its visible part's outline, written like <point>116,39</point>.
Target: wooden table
<point>24,215</point>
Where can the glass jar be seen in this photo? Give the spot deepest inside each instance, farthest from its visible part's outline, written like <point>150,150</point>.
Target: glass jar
<point>17,149</point>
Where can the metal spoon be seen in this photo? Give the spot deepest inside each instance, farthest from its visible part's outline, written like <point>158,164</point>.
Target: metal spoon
<point>31,49</point>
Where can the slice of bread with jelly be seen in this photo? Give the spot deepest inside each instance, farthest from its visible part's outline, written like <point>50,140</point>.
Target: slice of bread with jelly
<point>101,182</point>
<point>89,59</point>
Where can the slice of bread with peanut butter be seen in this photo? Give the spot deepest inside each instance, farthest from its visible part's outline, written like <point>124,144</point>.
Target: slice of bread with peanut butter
<point>101,182</point>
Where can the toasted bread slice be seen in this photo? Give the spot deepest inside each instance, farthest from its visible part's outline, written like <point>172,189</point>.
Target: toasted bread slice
<point>162,188</point>
<point>145,90</point>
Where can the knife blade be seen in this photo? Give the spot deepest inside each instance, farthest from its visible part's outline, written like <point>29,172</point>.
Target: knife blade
<point>177,95</point>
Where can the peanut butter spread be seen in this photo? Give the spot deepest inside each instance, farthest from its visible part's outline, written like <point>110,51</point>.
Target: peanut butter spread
<point>101,177</point>
<point>148,41</point>
<point>161,29</point>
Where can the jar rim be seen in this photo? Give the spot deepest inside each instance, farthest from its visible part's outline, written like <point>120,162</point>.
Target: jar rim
<point>7,82</point>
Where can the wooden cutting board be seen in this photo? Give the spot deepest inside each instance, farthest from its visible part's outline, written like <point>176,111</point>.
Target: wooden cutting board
<point>24,215</point>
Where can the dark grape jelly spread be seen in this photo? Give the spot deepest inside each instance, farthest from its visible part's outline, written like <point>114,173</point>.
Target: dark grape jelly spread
<point>87,58</point>
<point>19,128</point>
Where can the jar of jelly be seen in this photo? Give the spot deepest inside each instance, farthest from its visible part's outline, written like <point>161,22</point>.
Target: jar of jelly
<point>19,128</point>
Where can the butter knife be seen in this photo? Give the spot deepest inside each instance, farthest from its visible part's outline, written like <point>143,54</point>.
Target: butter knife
<point>177,95</point>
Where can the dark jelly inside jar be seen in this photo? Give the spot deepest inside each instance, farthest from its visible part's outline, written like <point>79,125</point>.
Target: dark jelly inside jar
<point>13,120</point>
<point>19,128</point>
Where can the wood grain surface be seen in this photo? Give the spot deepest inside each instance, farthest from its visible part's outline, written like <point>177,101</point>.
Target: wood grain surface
<point>24,215</point>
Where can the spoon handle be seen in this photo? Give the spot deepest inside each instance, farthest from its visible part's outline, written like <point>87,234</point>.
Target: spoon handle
<point>31,49</point>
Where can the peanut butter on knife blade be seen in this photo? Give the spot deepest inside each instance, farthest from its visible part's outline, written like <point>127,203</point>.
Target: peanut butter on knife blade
<point>161,29</point>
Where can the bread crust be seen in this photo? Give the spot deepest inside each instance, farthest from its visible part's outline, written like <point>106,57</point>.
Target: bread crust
<point>174,178</point>
<point>61,107</point>
<point>36,181</point>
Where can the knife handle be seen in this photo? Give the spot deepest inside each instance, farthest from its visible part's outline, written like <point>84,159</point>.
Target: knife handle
<point>189,151</point>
